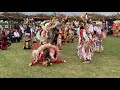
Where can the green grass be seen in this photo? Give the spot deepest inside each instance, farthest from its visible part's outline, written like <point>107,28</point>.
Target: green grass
<point>14,63</point>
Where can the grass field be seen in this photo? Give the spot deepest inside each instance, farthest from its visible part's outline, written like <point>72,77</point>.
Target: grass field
<point>14,63</point>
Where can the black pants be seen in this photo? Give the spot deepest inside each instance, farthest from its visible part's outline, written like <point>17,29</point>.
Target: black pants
<point>12,40</point>
<point>17,39</point>
<point>54,42</point>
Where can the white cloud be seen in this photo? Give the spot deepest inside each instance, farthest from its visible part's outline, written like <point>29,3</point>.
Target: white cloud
<point>70,13</point>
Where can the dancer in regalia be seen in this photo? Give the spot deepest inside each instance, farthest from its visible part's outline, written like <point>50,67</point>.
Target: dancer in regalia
<point>85,50</point>
<point>27,40</point>
<point>85,43</point>
<point>45,55</point>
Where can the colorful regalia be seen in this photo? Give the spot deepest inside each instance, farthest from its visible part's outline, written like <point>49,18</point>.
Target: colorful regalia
<point>45,55</point>
<point>116,29</point>
<point>41,36</point>
<point>90,41</point>
<point>70,36</point>
<point>27,40</point>
<point>45,33</point>
<point>4,41</point>
<point>85,50</point>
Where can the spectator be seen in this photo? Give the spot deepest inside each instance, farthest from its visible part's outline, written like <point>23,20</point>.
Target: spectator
<point>20,33</point>
<point>17,36</point>
<point>9,34</point>
<point>12,36</point>
<point>109,25</point>
<point>22,29</point>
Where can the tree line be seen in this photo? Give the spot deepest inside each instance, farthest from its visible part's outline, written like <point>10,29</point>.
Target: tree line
<point>94,17</point>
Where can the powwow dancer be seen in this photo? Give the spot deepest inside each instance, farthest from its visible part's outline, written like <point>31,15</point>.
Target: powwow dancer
<point>46,31</point>
<point>85,43</point>
<point>98,40</point>
<point>27,40</point>
<point>85,46</point>
<point>42,34</point>
<point>92,31</point>
<point>70,35</point>
<point>90,40</point>
<point>116,29</point>
<point>63,36</point>
<point>59,39</point>
<point>99,35</point>
<point>45,55</point>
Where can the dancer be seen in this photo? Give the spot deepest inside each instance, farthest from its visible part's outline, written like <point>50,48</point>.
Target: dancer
<point>85,51</point>
<point>27,40</point>
<point>45,55</point>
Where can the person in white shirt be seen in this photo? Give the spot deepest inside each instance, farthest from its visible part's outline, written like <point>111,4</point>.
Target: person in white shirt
<point>92,28</point>
<point>17,36</point>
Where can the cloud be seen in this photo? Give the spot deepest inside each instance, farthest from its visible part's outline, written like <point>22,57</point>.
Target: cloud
<point>69,13</point>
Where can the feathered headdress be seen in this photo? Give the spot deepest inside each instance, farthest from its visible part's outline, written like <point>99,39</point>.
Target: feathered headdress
<point>26,21</point>
<point>54,19</point>
<point>54,22</point>
<point>45,24</point>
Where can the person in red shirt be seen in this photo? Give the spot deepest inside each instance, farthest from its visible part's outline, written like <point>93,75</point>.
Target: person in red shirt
<point>4,41</point>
